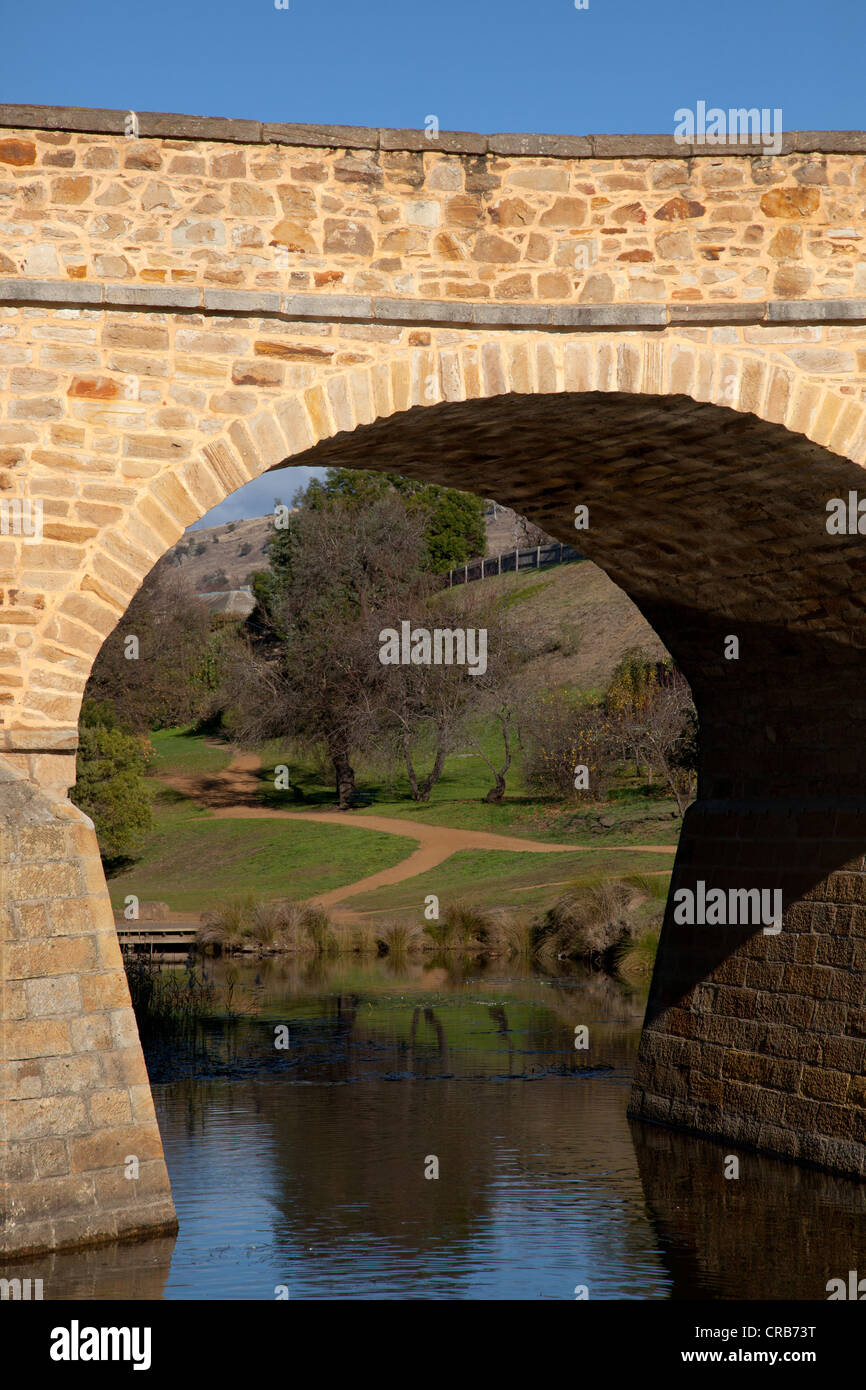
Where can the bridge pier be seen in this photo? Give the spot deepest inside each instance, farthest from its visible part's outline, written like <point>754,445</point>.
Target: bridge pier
<point>759,1038</point>
<point>80,1151</point>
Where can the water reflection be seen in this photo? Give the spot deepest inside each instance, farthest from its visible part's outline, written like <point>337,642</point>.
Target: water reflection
<point>306,1167</point>
<point>778,1231</point>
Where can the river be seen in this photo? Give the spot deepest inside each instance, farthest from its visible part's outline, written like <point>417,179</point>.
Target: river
<point>432,1131</point>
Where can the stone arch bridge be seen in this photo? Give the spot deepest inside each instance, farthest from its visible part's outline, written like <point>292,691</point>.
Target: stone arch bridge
<point>674,336</point>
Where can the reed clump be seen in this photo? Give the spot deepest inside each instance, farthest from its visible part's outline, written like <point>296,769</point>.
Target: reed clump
<point>167,1001</point>
<point>246,923</point>
<point>605,922</point>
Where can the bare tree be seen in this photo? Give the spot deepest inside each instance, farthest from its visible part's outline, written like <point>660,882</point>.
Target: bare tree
<point>423,705</point>
<point>161,678</point>
<point>502,692</point>
<point>336,572</point>
<point>434,707</point>
<point>652,716</point>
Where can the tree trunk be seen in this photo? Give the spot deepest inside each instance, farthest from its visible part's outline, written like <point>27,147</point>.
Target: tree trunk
<point>344,773</point>
<point>421,790</point>
<point>496,792</point>
<point>433,775</point>
<point>410,769</point>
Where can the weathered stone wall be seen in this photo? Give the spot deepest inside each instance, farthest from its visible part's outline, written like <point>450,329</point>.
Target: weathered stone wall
<point>599,220</point>
<point>758,1039</point>
<point>213,402</point>
<point>669,335</point>
<point>76,1098</point>
<point>181,313</point>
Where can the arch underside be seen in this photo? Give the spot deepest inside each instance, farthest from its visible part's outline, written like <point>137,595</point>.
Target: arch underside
<point>715,524</point>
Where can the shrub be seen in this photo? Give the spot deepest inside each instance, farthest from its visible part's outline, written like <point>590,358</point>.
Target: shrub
<point>229,926</point>
<point>111,787</point>
<point>278,925</point>
<point>362,940</point>
<point>317,925</point>
<point>464,924</point>
<point>563,731</point>
<point>517,938</point>
<point>653,720</point>
<point>245,921</point>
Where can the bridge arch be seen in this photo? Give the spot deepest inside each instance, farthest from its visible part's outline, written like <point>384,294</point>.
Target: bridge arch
<point>709,510</point>
<point>587,384</point>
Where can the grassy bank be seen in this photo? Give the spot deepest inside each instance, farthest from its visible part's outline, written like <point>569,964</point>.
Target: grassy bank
<point>193,859</point>
<point>606,922</point>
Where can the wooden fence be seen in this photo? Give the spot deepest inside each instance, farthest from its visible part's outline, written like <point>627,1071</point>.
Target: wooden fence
<point>539,557</point>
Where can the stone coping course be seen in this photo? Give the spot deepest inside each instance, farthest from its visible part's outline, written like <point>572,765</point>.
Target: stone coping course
<point>461,313</point>
<point>168,126</point>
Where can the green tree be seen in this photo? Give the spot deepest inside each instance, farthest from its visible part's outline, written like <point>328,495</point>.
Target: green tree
<point>454,529</point>
<point>110,786</point>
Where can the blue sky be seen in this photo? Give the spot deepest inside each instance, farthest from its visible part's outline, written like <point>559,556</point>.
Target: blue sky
<point>536,65</point>
<point>488,65</point>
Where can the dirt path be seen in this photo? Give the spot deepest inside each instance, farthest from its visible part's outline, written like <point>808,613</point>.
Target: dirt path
<point>233,793</point>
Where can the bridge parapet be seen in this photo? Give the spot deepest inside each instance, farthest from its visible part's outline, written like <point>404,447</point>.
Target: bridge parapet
<point>502,219</point>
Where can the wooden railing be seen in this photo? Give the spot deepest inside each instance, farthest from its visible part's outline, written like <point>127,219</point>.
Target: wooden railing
<point>510,561</point>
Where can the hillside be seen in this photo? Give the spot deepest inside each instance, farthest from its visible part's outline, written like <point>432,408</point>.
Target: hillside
<point>577,625</point>
<point>224,557</point>
<point>589,621</point>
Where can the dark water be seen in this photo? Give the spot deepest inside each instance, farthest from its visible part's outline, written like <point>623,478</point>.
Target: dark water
<point>302,1171</point>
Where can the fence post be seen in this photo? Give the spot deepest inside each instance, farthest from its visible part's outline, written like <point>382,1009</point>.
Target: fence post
<point>538,557</point>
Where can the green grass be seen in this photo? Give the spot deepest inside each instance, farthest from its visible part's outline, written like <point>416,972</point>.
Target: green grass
<point>502,878</point>
<point>639,814</point>
<point>182,750</point>
<point>520,591</point>
<point>193,861</point>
